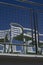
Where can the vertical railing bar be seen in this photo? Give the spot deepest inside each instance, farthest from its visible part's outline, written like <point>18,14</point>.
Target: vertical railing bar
<point>31,11</point>
<point>34,18</point>
<point>37,27</point>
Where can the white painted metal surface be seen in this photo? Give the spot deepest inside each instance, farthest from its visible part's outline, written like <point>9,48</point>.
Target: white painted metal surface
<point>21,55</point>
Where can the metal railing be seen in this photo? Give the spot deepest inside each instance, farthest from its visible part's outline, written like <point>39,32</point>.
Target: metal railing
<point>29,18</point>
<point>9,45</point>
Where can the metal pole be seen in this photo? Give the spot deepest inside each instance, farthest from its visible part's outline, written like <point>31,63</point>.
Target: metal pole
<point>31,11</point>
<point>4,44</point>
<point>24,40</point>
<point>11,41</point>
<point>35,30</point>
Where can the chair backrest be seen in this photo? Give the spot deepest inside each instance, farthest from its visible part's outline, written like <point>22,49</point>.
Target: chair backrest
<point>16,29</point>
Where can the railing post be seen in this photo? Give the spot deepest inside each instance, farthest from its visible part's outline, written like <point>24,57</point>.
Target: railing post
<point>4,44</point>
<point>34,18</point>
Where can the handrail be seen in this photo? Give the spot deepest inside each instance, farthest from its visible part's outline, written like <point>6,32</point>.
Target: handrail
<point>28,29</point>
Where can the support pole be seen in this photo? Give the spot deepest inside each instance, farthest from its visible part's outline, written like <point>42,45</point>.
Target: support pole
<point>31,11</point>
<point>4,44</point>
<point>11,40</point>
<point>34,18</point>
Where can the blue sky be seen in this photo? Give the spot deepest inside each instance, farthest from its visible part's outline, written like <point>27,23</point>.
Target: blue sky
<point>6,12</point>
<point>10,14</point>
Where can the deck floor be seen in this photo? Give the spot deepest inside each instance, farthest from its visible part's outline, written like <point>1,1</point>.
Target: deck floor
<point>15,59</point>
